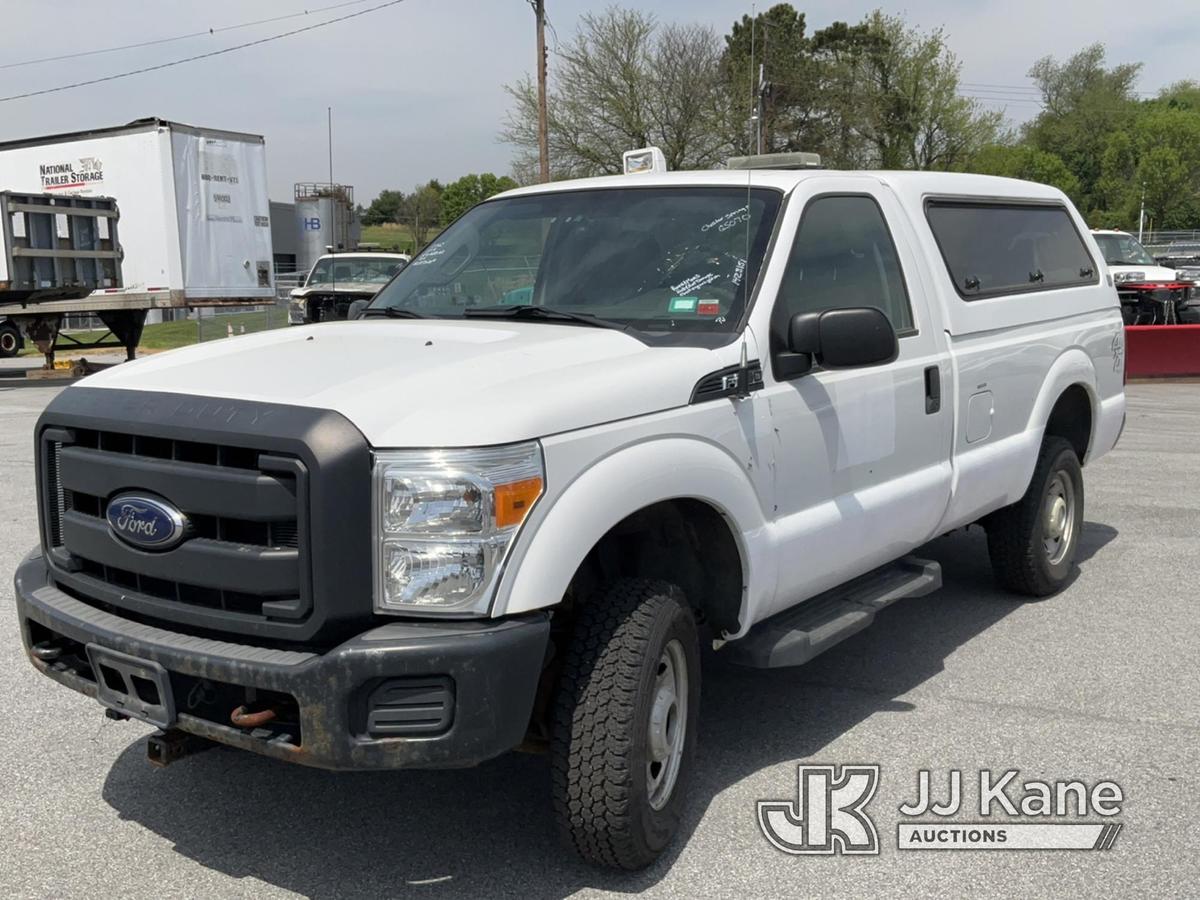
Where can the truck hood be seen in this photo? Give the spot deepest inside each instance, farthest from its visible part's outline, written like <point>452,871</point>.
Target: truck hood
<point>1152,274</point>
<point>350,287</point>
<point>416,383</point>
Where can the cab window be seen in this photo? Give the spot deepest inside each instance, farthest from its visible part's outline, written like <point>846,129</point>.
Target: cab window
<point>844,256</point>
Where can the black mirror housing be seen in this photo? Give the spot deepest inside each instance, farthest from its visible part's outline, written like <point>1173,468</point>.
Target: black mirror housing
<point>844,338</point>
<point>356,309</point>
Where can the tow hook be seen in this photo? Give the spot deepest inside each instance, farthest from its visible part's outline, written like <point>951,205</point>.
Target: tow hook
<point>46,651</point>
<point>243,718</point>
<point>166,747</point>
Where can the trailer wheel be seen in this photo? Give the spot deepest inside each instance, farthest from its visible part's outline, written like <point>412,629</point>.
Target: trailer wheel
<point>625,719</point>
<point>10,340</point>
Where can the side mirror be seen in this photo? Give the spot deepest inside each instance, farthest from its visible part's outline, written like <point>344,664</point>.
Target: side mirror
<point>844,338</point>
<point>356,309</point>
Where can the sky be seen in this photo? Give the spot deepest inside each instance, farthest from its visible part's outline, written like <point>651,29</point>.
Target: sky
<point>417,88</point>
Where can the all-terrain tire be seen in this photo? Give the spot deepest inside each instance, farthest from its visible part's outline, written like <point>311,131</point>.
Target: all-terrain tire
<point>602,752</point>
<point>1020,537</point>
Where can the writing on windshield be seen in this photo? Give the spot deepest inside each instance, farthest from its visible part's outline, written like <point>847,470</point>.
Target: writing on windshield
<point>656,258</point>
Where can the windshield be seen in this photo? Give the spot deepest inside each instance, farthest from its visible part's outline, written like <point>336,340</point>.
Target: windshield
<point>676,260</point>
<point>351,269</point>
<point>1123,250</point>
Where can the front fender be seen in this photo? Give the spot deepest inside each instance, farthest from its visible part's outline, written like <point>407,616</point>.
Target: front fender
<point>548,554</point>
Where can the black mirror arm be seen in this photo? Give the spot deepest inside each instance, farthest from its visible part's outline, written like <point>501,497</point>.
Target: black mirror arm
<point>804,334</point>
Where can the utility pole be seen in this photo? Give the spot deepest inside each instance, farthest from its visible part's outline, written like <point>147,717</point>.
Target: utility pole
<point>1142,213</point>
<point>332,199</point>
<point>539,11</point>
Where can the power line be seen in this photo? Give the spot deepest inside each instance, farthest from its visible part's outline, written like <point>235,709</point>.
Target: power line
<point>211,53</point>
<point>179,37</point>
<point>1017,88</point>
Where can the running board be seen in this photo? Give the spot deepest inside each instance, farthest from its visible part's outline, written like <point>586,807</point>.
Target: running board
<point>796,635</point>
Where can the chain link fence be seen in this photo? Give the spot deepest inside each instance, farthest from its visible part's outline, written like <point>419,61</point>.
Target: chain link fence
<point>166,328</point>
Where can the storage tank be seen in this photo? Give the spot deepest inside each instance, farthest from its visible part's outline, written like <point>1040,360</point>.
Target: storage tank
<point>324,218</point>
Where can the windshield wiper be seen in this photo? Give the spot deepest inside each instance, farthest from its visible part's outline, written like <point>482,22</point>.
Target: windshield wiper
<point>545,313</point>
<point>392,312</point>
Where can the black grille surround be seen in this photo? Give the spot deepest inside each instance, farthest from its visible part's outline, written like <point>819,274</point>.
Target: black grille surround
<point>278,498</point>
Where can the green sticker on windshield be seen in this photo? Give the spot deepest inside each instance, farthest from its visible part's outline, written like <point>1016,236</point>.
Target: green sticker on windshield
<point>682,305</point>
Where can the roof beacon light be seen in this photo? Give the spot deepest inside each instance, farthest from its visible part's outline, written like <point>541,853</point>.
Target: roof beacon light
<point>643,161</point>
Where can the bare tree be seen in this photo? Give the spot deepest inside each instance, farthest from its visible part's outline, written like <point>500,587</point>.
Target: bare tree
<point>624,82</point>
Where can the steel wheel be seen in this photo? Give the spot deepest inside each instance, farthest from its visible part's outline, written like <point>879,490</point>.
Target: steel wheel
<point>1058,518</point>
<point>668,724</point>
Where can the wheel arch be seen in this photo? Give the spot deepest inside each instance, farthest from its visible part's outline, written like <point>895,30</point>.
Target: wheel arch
<point>1072,376</point>
<point>695,501</point>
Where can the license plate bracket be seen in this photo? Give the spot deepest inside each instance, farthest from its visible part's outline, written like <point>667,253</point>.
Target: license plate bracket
<point>136,687</point>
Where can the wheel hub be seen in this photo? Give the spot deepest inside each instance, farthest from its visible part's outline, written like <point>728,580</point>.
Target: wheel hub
<point>667,725</point>
<point>1058,518</point>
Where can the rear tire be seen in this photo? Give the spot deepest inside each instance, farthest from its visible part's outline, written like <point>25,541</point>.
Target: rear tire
<point>1033,542</point>
<point>625,718</point>
<point>10,340</point>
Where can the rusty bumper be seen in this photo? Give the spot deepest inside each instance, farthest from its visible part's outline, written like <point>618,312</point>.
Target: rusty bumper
<point>402,695</point>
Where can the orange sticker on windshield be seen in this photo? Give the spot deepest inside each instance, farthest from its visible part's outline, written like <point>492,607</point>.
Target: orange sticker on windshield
<point>708,308</point>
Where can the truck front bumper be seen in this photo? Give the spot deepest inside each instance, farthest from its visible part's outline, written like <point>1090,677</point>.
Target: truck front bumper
<point>402,695</point>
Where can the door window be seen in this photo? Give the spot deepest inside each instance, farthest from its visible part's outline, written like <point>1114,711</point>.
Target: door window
<point>844,256</point>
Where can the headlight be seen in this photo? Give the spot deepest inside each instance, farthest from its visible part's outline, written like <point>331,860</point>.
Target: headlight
<point>1122,277</point>
<point>444,521</point>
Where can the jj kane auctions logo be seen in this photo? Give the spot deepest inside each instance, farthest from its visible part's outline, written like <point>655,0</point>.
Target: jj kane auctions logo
<point>829,814</point>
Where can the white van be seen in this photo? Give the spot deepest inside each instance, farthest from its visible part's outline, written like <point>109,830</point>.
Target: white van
<point>591,425</point>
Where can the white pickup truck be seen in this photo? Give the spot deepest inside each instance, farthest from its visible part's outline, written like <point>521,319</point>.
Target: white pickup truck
<point>590,426</point>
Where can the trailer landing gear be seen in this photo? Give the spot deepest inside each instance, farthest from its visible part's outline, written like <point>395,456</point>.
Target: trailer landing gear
<point>45,331</point>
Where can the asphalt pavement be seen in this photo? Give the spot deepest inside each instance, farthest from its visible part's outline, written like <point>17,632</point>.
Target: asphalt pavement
<point>1097,683</point>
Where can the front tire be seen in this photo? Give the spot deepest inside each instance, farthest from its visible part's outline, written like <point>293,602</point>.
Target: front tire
<point>1033,542</point>
<point>625,719</point>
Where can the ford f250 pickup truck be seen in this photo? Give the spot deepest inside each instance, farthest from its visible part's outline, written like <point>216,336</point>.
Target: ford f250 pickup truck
<point>727,407</point>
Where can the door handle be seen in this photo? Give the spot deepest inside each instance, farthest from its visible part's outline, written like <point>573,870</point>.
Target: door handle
<point>933,390</point>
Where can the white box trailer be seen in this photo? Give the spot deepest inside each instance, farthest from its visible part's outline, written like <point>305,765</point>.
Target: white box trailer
<point>195,218</point>
<point>195,223</point>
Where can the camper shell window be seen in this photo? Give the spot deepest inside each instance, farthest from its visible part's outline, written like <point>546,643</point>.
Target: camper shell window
<point>994,248</point>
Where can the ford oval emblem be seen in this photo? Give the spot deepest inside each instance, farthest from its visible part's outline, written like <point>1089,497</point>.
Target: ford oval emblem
<point>145,522</point>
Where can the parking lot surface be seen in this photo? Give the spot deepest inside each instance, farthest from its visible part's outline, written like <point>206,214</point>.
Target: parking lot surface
<point>1097,683</point>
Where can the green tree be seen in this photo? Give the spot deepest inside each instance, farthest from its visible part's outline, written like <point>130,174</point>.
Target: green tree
<point>1181,95</point>
<point>422,212</point>
<point>1085,103</point>
<point>384,208</point>
<point>1166,142</point>
<point>774,40</point>
<point>896,98</point>
<point>469,190</point>
<point>1028,163</point>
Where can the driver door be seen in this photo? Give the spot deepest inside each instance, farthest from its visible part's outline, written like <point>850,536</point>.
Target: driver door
<point>862,466</point>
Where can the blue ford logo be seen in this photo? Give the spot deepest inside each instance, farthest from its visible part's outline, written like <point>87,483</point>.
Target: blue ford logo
<point>144,522</point>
